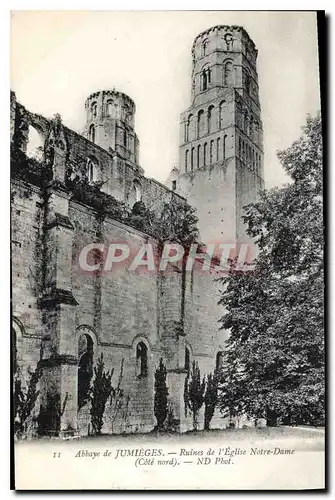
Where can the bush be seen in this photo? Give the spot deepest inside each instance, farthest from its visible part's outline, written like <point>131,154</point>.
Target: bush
<point>101,391</point>
<point>161,394</point>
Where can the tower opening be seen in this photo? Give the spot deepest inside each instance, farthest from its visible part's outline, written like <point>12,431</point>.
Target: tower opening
<point>142,360</point>
<point>85,368</point>
<point>91,133</point>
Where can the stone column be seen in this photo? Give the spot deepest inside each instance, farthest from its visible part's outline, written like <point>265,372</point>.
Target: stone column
<point>59,346</point>
<point>173,339</point>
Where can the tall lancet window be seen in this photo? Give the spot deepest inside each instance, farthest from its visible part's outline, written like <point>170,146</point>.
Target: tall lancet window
<point>210,119</point>
<point>91,133</point>
<point>204,48</point>
<point>142,360</point>
<point>222,113</point>
<point>205,78</point>
<point>228,74</point>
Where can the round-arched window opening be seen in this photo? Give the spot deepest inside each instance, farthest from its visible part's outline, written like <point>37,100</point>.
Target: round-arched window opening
<point>94,109</point>
<point>85,368</point>
<point>91,133</point>
<point>187,364</point>
<point>204,48</point>
<point>35,144</point>
<point>141,360</point>
<point>91,170</point>
<point>228,74</point>
<point>135,193</point>
<point>109,108</point>
<point>229,41</point>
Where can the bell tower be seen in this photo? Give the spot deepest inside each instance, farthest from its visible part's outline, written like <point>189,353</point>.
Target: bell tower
<point>221,141</point>
<point>110,117</point>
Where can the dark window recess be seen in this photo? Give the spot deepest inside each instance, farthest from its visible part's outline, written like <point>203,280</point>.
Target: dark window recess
<point>187,359</point>
<point>142,360</point>
<point>174,185</point>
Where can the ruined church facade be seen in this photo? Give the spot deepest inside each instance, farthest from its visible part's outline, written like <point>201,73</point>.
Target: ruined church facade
<point>63,318</point>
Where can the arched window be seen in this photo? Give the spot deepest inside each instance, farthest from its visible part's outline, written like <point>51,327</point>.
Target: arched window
<point>256,131</point>
<point>200,123</point>
<point>188,129</point>
<point>94,110</point>
<point>91,170</point>
<point>35,144</point>
<point>137,190</point>
<point>85,368</point>
<point>222,113</point>
<point>228,74</point>
<point>224,147</point>
<point>186,124</point>
<point>244,154</point>
<point>205,78</point>
<point>210,119</point>
<point>192,159</point>
<point>252,129</point>
<point>186,160</point>
<point>124,137</point>
<point>253,160</point>
<point>229,41</point>
<point>219,360</point>
<point>204,48</point>
<point>187,363</point>
<point>205,153</point>
<point>211,150</point>
<point>109,108</point>
<point>91,133</point>
<point>142,360</point>
<point>240,147</point>
<point>218,145</point>
<point>135,193</point>
<point>246,123</point>
<point>198,155</point>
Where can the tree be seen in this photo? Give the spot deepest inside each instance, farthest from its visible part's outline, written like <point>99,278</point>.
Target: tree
<point>25,400</point>
<point>194,393</point>
<point>161,394</point>
<point>210,398</point>
<point>101,391</point>
<point>275,353</point>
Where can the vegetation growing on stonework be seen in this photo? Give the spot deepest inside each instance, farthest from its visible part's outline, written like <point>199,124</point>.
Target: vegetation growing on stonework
<point>101,391</point>
<point>161,395</point>
<point>210,398</point>
<point>177,223</point>
<point>274,357</point>
<point>116,400</point>
<point>194,391</point>
<point>24,403</point>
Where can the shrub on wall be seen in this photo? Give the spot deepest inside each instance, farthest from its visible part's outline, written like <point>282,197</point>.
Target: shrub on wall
<point>101,391</point>
<point>161,394</point>
<point>24,402</point>
<point>210,398</point>
<point>194,393</point>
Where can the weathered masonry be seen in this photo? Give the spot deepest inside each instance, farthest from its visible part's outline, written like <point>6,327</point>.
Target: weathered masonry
<point>62,185</point>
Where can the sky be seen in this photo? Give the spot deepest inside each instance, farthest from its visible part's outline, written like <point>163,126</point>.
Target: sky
<point>59,57</point>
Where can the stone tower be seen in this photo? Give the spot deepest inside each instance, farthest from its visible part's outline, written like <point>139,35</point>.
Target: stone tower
<point>110,123</point>
<point>221,143</point>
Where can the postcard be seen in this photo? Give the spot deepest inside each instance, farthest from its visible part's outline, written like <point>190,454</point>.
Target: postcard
<point>167,250</point>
